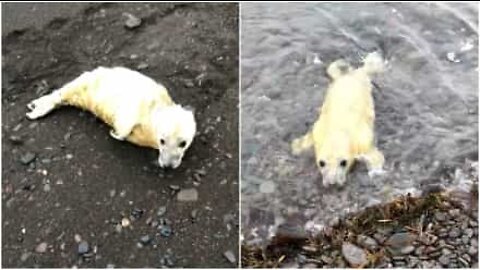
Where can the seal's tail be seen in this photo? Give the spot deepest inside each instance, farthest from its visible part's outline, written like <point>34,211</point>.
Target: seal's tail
<point>373,63</point>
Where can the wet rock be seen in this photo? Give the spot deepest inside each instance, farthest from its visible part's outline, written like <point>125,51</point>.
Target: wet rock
<point>165,230</point>
<point>132,22</point>
<point>136,214</point>
<point>367,242</point>
<point>161,211</point>
<point>230,256</point>
<point>146,240</point>
<point>354,255</point>
<point>267,187</point>
<point>454,233</point>
<point>41,248</point>
<point>187,195</point>
<point>399,240</point>
<point>27,158</point>
<point>407,250</point>
<point>174,187</point>
<point>83,248</point>
<point>16,140</point>
<point>142,66</point>
<point>440,216</point>
<point>444,260</point>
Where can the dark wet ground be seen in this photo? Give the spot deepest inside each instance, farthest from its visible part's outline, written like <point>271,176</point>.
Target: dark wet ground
<point>66,182</point>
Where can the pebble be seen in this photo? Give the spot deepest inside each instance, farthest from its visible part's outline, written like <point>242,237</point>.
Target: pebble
<point>46,188</point>
<point>454,233</point>
<point>83,247</point>
<point>187,195</point>
<point>165,230</point>
<point>230,256</point>
<point>174,187</point>
<point>125,222</point>
<point>444,260</point>
<point>440,216</point>
<point>161,211</point>
<point>146,240</point>
<point>27,158</point>
<point>25,256</point>
<point>367,242</point>
<point>400,240</point>
<point>354,255</point>
<point>194,214</point>
<point>132,22</point>
<point>407,250</point>
<point>41,248</point>
<point>142,66</point>
<point>16,140</point>
<point>267,187</point>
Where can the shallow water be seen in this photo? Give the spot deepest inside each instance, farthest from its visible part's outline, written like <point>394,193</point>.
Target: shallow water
<point>426,104</point>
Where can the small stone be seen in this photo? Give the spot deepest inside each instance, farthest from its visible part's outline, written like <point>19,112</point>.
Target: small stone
<point>174,187</point>
<point>16,140</point>
<point>452,57</point>
<point>112,193</point>
<point>125,222</point>
<point>400,240</point>
<point>25,256</point>
<point>46,188</point>
<point>267,187</point>
<point>444,260</point>
<point>146,240</point>
<point>161,211</point>
<point>454,233</point>
<point>354,255</point>
<point>367,242</point>
<point>142,66</point>
<point>165,230</point>
<point>110,265</point>
<point>407,250</point>
<point>440,216</point>
<point>77,238</point>
<point>41,248</point>
<point>132,22</point>
<point>230,256</point>
<point>83,247</point>
<point>326,259</point>
<point>187,195</point>
<point>194,214</point>
<point>27,158</point>
<point>136,213</point>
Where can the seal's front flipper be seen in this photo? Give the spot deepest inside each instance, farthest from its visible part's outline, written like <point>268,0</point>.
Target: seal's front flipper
<point>374,160</point>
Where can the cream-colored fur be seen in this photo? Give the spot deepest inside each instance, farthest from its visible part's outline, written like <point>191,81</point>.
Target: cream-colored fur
<point>137,108</point>
<point>344,131</point>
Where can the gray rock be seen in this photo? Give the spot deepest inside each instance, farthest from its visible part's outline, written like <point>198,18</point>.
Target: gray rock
<point>367,242</point>
<point>187,195</point>
<point>407,250</point>
<point>165,230</point>
<point>444,260</point>
<point>230,256</point>
<point>267,187</point>
<point>46,188</point>
<point>454,233</point>
<point>354,255</point>
<point>27,158</point>
<point>142,66</point>
<point>161,211</point>
<point>440,216</point>
<point>146,240</point>
<point>399,240</point>
<point>16,140</point>
<point>132,22</point>
<point>83,247</point>
<point>41,248</point>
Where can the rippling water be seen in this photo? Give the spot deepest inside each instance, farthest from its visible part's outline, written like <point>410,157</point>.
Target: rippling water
<point>426,103</point>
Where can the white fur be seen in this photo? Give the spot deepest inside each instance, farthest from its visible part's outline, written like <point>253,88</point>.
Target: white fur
<point>123,98</point>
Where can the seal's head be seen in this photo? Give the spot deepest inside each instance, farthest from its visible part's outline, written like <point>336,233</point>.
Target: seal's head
<point>334,159</point>
<point>175,128</point>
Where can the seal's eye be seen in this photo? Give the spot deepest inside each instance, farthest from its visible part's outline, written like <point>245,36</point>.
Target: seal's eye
<point>182,144</point>
<point>343,163</point>
<point>162,141</point>
<point>321,163</point>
